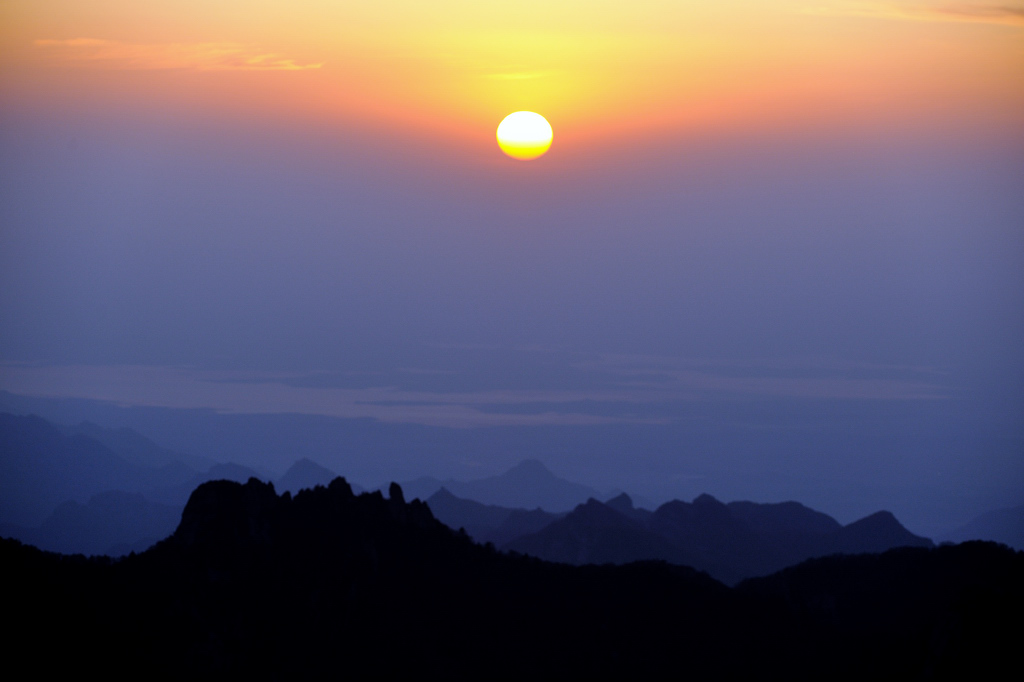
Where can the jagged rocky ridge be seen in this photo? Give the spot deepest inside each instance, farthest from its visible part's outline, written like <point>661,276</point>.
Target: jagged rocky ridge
<point>327,582</point>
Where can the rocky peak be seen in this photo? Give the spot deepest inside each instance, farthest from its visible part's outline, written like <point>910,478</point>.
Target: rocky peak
<point>226,513</point>
<point>621,503</point>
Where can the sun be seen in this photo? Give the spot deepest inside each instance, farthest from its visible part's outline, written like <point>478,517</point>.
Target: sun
<point>524,135</point>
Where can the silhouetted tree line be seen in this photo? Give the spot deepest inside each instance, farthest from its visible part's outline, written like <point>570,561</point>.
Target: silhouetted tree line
<point>330,583</point>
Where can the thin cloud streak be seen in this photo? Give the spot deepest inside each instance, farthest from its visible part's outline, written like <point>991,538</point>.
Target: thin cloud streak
<point>163,56</point>
<point>516,76</point>
<point>193,389</point>
<point>1007,13</point>
<point>831,381</point>
<point>248,393</point>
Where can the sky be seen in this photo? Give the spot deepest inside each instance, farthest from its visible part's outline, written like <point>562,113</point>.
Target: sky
<point>778,218</point>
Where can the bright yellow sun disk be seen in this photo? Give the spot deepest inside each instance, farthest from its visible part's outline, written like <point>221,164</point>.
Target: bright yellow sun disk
<point>524,135</point>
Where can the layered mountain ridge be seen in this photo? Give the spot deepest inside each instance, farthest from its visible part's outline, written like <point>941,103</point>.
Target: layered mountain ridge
<point>256,584</point>
<point>730,541</point>
<point>95,490</point>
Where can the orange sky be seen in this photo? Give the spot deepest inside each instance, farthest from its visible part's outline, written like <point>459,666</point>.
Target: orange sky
<point>596,70</point>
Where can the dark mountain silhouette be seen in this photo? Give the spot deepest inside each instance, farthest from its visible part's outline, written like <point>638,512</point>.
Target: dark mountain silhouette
<point>87,499</point>
<point>117,522</point>
<point>111,523</point>
<point>456,512</point>
<point>1000,525</point>
<point>528,485</point>
<point>623,504</point>
<point>635,500</point>
<point>86,489</point>
<point>522,522</point>
<point>594,533</point>
<point>731,542</point>
<point>305,473</point>
<point>253,584</point>
<point>703,523</point>
<point>954,601</point>
<point>487,522</point>
<point>177,495</point>
<point>783,518</point>
<point>425,487</point>
<point>134,448</point>
<point>42,466</point>
<point>875,533</point>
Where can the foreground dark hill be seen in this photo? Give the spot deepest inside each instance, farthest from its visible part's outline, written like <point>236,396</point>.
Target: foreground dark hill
<point>330,583</point>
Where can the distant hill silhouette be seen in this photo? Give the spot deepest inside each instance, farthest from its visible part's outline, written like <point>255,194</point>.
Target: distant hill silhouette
<point>67,490</point>
<point>623,504</point>
<point>113,523</point>
<point>259,585</point>
<point>305,473</point>
<point>1000,525</point>
<point>875,533</point>
<point>528,485</point>
<point>42,467</point>
<point>594,533</point>
<point>177,495</point>
<point>731,542</point>
<point>86,489</point>
<point>487,523</point>
<point>134,448</point>
<point>783,518</point>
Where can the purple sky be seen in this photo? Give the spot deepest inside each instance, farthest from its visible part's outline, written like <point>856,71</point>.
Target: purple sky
<point>260,269</point>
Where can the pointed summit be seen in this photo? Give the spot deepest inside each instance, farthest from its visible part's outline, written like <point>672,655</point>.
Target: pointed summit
<point>595,533</point>
<point>533,467</point>
<point>529,471</point>
<point>442,495</point>
<point>622,503</point>
<point>529,484</point>
<point>876,533</point>
<point>705,500</point>
<point>305,473</point>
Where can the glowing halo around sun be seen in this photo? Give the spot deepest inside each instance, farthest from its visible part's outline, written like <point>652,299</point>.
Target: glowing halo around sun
<point>524,135</point>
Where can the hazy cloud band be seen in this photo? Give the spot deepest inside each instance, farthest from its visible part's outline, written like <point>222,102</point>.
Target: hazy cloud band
<point>197,56</point>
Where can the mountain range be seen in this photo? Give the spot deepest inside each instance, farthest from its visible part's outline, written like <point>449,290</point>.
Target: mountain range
<point>730,541</point>
<point>90,490</point>
<point>93,490</point>
<point>528,484</point>
<point>259,585</point>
